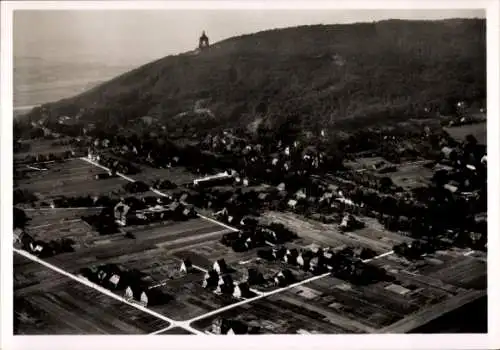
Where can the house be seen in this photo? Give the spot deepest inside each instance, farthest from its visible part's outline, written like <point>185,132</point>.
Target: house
<point>316,264</point>
<point>292,203</point>
<point>254,277</point>
<point>102,176</point>
<point>448,152</point>
<point>133,292</point>
<point>349,222</point>
<point>114,280</point>
<point>26,240</point>
<point>120,213</point>
<point>189,212</point>
<point>220,266</point>
<point>186,266</point>
<point>152,296</point>
<point>229,327</point>
<point>17,235</point>
<point>37,247</point>
<point>242,290</point>
<point>278,253</point>
<point>451,188</point>
<point>263,196</point>
<point>225,285</point>
<point>281,187</point>
<point>300,194</point>
<point>212,180</point>
<point>284,278</point>
<point>223,213</point>
<point>304,258</point>
<point>211,279</point>
<point>291,256</point>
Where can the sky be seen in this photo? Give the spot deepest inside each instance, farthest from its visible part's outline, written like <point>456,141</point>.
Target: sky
<point>125,37</point>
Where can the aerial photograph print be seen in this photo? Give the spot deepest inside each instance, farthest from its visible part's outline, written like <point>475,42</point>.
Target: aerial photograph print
<point>249,171</point>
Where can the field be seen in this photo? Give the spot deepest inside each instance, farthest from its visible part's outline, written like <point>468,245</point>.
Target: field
<point>71,178</point>
<point>330,305</point>
<point>177,175</point>
<point>373,236</point>
<point>41,146</point>
<point>49,303</point>
<point>478,130</point>
<point>411,175</point>
<point>313,304</point>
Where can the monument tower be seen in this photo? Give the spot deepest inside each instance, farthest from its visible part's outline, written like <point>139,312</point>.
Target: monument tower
<point>204,44</point>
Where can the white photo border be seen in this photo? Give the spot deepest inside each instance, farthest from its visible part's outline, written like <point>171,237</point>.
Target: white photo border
<point>378,341</point>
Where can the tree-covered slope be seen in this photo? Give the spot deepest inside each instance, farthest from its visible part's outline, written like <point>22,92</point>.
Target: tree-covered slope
<point>320,74</point>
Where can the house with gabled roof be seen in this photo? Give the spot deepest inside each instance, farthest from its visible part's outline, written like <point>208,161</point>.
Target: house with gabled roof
<point>210,280</point>
<point>304,258</point>
<point>220,266</point>
<point>255,277</point>
<point>17,235</point>
<point>242,290</point>
<point>186,266</point>
<point>291,256</point>
<point>225,285</point>
<point>284,278</point>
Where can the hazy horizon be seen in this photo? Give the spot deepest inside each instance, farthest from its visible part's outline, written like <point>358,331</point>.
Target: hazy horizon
<point>125,37</point>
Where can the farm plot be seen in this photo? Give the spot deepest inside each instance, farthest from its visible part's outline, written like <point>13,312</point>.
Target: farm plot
<point>41,146</point>
<point>71,178</point>
<point>55,304</point>
<point>168,233</point>
<point>117,248</point>
<point>178,175</point>
<point>463,272</point>
<point>277,314</point>
<point>375,306</point>
<point>47,217</point>
<point>411,175</point>
<point>76,229</point>
<point>150,254</point>
<point>478,130</point>
<point>440,269</point>
<point>326,235</point>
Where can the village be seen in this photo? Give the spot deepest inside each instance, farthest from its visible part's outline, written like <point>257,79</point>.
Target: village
<point>194,229</point>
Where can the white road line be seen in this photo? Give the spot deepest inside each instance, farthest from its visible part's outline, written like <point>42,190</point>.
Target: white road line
<point>104,291</point>
<point>157,192</point>
<point>219,223</point>
<point>469,253</point>
<point>161,330</point>
<point>62,208</point>
<point>378,256</point>
<point>55,223</point>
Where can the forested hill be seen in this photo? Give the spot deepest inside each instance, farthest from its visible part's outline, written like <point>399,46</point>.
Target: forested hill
<point>320,74</point>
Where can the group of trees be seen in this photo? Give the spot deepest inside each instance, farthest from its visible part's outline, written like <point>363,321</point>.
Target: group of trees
<point>254,235</point>
<point>119,166</point>
<point>47,249</point>
<point>39,158</point>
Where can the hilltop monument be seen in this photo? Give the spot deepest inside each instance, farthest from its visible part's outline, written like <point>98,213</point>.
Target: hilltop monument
<point>204,44</point>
